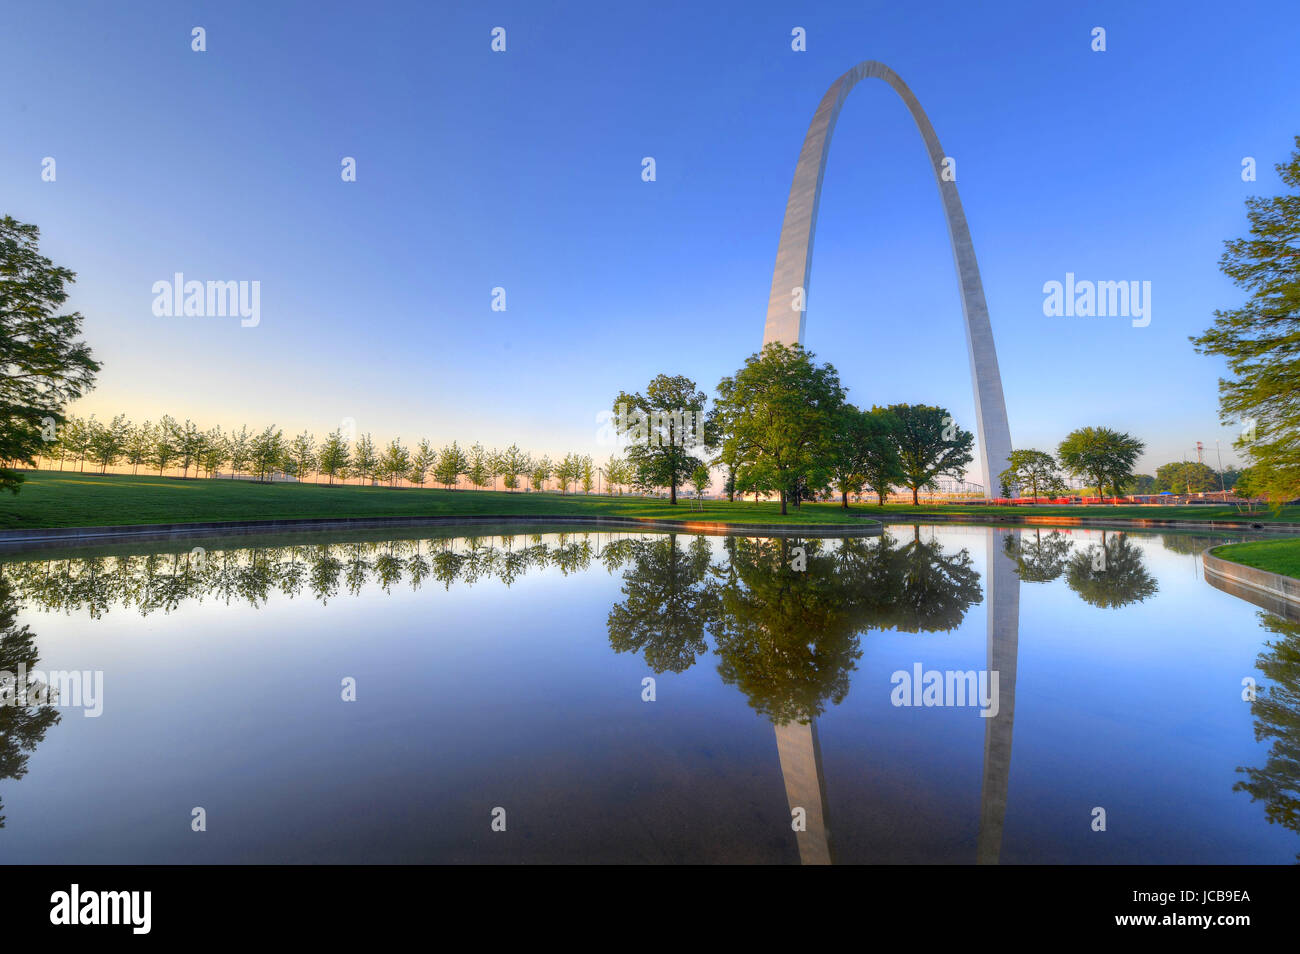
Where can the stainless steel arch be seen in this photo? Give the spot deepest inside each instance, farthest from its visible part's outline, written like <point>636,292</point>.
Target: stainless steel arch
<point>785,321</point>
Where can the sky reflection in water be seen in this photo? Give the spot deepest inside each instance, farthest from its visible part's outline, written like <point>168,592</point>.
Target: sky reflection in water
<point>507,670</point>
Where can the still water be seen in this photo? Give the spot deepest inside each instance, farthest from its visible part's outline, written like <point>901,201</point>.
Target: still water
<point>638,697</point>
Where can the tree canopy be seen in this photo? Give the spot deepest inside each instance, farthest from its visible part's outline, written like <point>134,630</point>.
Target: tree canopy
<point>43,362</point>
<point>1261,338</point>
<point>1104,456</point>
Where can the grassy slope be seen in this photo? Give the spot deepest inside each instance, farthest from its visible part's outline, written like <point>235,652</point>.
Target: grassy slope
<point>1277,556</point>
<point>63,499</point>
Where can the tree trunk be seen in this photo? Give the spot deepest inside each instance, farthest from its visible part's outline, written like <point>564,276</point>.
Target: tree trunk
<point>844,499</point>
<point>672,495</point>
<point>915,501</point>
<point>782,501</point>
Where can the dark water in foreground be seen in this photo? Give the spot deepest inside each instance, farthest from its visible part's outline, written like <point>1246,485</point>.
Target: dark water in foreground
<point>509,672</point>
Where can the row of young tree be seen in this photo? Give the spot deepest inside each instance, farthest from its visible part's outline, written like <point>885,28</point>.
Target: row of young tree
<point>172,445</point>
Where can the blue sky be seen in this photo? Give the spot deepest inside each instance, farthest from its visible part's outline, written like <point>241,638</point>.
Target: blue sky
<point>522,170</point>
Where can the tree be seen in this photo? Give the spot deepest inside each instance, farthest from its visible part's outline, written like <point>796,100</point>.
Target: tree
<point>75,439</point>
<point>700,479</point>
<point>1035,469</point>
<point>587,474</point>
<point>395,462</point>
<point>568,471</point>
<point>882,468</point>
<point>479,468</point>
<point>512,463</point>
<point>782,410</point>
<point>43,364</point>
<point>1261,339</point>
<point>216,451</point>
<point>302,451</point>
<point>163,451</point>
<point>930,445</point>
<point>185,443</point>
<point>863,452</point>
<point>1100,455</point>
<point>364,458</point>
<point>541,472</point>
<point>1143,484</point>
<point>334,457</point>
<point>755,479</point>
<point>137,450</point>
<point>1186,477</point>
<point>617,473</point>
<point>451,464</point>
<point>108,441</point>
<point>664,427</point>
<point>239,446</point>
<point>496,464</point>
<point>719,425</point>
<point>267,452</point>
<point>138,443</point>
<point>421,461</point>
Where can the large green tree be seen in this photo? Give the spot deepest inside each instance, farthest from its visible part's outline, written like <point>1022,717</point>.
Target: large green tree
<point>1261,339</point>
<point>664,427</point>
<point>1101,455</point>
<point>783,408</point>
<point>43,362</point>
<point>930,445</point>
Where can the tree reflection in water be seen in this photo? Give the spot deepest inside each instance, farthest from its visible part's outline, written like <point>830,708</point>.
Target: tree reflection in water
<point>785,636</point>
<point>1040,560</point>
<point>22,727</point>
<point>1276,710</point>
<point>1111,575</point>
<point>788,638</point>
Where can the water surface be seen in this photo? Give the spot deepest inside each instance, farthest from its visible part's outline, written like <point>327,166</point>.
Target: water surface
<point>509,671</point>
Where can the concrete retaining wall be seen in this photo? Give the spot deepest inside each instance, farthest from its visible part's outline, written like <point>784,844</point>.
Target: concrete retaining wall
<point>72,535</point>
<point>1271,591</point>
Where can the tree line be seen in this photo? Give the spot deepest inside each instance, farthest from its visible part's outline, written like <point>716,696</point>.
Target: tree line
<point>259,455</point>
<point>783,424</point>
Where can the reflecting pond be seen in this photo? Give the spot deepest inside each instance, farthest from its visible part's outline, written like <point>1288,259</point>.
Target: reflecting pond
<point>935,694</point>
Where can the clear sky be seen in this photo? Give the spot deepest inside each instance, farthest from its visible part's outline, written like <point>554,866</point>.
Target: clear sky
<point>522,169</point>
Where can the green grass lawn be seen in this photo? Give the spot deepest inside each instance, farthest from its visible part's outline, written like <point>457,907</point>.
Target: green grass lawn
<point>1276,556</point>
<point>65,499</point>
<point>61,499</point>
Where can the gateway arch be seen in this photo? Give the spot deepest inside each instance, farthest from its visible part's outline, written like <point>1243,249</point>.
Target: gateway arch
<point>786,308</point>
